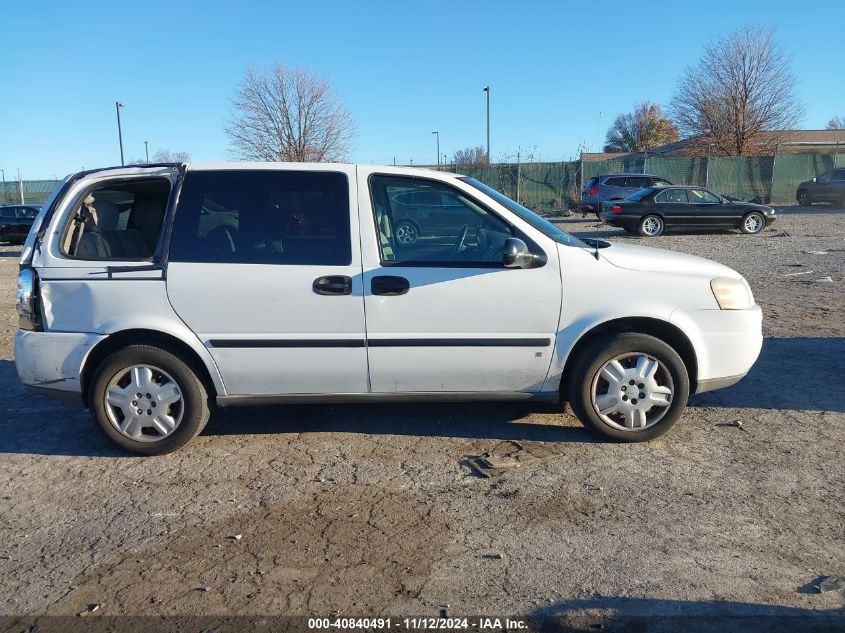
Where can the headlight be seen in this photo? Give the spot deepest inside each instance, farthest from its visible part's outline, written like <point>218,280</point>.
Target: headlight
<point>732,294</point>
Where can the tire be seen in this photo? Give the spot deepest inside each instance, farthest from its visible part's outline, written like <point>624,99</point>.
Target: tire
<point>803,199</point>
<point>669,383</point>
<point>651,226</point>
<point>752,223</point>
<point>406,232</point>
<point>155,369</point>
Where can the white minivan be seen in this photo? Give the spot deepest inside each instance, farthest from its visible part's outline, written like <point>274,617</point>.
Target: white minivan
<point>151,293</point>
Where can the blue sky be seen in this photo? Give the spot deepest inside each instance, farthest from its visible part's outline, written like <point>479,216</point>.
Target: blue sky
<point>559,71</point>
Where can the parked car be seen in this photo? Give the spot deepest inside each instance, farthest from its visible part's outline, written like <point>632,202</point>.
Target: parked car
<point>152,310</point>
<point>650,211</point>
<point>428,213</point>
<point>15,221</point>
<point>829,187</point>
<point>615,187</point>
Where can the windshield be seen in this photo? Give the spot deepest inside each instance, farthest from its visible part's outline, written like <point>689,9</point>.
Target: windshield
<point>541,224</point>
<point>639,195</point>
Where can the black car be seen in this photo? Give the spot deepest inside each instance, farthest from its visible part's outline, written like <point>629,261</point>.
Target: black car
<point>15,221</point>
<point>650,211</point>
<point>829,187</point>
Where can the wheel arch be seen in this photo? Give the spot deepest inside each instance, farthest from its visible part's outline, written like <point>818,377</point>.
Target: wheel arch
<point>665,331</point>
<point>140,336</point>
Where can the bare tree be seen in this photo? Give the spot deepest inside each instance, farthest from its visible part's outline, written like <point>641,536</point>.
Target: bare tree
<point>471,156</point>
<point>740,97</point>
<point>642,129</point>
<point>288,114</point>
<point>166,156</point>
<point>836,123</point>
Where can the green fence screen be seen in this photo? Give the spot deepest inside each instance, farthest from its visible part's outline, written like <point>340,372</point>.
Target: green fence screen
<point>551,187</point>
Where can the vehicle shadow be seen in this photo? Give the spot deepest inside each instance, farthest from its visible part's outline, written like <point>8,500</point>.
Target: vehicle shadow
<point>792,373</point>
<point>16,254</point>
<point>691,616</point>
<point>478,420</point>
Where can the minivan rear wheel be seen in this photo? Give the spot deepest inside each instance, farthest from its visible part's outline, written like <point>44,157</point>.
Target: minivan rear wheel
<point>630,387</point>
<point>148,400</point>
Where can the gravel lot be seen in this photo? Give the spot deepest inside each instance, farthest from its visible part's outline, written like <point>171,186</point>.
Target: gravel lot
<point>372,509</point>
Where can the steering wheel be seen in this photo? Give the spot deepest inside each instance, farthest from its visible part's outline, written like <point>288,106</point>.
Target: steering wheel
<point>460,243</point>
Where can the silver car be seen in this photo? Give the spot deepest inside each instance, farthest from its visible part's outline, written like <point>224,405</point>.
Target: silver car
<point>615,187</point>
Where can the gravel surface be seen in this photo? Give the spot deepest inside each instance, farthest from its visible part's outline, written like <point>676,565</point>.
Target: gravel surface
<point>372,509</point>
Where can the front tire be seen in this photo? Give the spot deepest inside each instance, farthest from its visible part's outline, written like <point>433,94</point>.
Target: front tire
<point>148,400</point>
<point>752,223</point>
<point>407,232</point>
<point>630,388</point>
<point>650,226</point>
<point>803,199</point>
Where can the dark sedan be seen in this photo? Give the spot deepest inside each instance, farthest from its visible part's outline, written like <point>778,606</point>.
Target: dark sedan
<point>15,221</point>
<point>829,187</point>
<point>650,211</point>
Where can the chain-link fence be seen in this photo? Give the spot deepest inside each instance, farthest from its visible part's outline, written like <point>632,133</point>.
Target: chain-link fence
<point>552,187</point>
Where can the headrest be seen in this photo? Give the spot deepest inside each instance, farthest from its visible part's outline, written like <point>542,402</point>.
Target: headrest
<point>148,214</point>
<point>107,214</point>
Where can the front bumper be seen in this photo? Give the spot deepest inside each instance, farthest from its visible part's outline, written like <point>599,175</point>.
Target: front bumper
<point>727,343</point>
<point>50,363</point>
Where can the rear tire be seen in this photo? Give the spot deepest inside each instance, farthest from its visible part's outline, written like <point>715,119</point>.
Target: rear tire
<point>650,226</point>
<point>752,223</point>
<point>803,199</point>
<point>406,232</point>
<point>166,393</point>
<point>594,398</point>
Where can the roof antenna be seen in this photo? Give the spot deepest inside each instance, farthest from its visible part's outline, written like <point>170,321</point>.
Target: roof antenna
<point>596,248</point>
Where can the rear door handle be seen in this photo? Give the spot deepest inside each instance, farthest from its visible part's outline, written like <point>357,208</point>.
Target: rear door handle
<point>333,285</point>
<point>389,286</point>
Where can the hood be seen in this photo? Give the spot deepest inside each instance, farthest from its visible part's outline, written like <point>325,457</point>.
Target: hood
<point>659,260</point>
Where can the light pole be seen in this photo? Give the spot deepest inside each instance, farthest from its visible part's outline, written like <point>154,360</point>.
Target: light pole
<point>487,90</point>
<point>437,133</point>
<point>117,106</point>
<point>147,150</point>
<point>4,185</point>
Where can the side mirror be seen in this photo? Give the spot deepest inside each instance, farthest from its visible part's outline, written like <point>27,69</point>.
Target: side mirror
<point>516,254</point>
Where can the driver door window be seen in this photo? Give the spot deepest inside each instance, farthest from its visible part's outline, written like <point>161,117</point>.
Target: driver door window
<point>422,221</point>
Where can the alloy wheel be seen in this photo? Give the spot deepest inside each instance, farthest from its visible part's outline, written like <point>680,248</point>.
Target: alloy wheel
<point>753,223</point>
<point>652,226</point>
<point>406,233</point>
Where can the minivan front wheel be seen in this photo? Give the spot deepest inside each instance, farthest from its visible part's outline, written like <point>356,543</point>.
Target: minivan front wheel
<point>631,387</point>
<point>148,400</point>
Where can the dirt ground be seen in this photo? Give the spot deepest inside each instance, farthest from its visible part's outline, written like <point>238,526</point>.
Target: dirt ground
<point>373,510</point>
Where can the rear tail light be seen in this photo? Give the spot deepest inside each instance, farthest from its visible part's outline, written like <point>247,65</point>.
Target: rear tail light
<point>616,209</point>
<point>593,191</point>
<point>26,300</point>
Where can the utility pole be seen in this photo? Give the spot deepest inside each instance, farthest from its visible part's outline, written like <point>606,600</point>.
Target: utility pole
<point>437,133</point>
<point>4,185</point>
<point>489,158</point>
<point>117,106</point>
<point>147,150</point>
<point>20,185</point>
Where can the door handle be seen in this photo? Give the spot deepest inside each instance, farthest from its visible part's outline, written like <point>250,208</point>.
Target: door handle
<point>333,285</point>
<point>389,286</point>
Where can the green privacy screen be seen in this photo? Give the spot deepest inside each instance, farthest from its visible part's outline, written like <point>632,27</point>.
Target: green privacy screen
<point>551,187</point>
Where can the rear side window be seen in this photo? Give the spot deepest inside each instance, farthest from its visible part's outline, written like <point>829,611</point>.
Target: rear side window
<point>263,217</point>
<point>672,195</point>
<point>615,182</point>
<point>638,181</point>
<point>119,220</point>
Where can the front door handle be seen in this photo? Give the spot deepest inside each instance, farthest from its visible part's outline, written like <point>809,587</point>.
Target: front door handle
<point>333,285</point>
<point>389,286</point>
